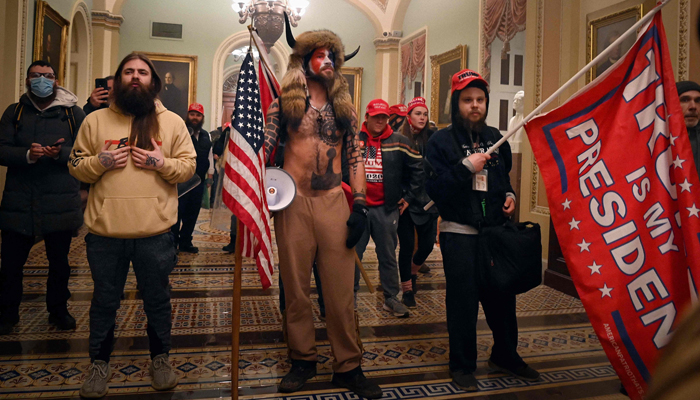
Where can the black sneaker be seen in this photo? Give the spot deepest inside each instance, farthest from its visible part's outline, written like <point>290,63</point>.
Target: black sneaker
<point>356,382</point>
<point>7,325</point>
<point>525,372</point>
<point>64,322</point>
<point>295,379</point>
<point>188,248</point>
<point>464,381</point>
<point>424,269</point>
<point>229,248</point>
<point>408,299</point>
<point>414,285</point>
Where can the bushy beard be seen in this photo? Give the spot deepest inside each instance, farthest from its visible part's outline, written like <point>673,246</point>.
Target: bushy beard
<point>477,126</point>
<point>320,78</point>
<point>137,101</point>
<point>194,126</point>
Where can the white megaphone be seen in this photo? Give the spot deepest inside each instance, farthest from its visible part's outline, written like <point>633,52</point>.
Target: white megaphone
<point>280,188</point>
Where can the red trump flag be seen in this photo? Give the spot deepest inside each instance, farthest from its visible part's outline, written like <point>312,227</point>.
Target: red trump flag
<point>623,194</point>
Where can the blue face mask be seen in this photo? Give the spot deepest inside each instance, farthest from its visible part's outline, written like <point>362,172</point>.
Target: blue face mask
<point>41,86</point>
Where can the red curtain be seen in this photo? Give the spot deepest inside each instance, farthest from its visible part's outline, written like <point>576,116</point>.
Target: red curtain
<point>503,19</point>
<point>412,62</point>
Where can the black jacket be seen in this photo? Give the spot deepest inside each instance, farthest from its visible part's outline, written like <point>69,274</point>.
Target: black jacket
<point>401,167</point>
<point>449,182</point>
<point>415,208</point>
<point>694,136</point>
<point>88,107</point>
<point>202,146</point>
<point>43,197</point>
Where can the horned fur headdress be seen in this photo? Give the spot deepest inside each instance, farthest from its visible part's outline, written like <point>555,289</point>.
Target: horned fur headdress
<point>293,96</point>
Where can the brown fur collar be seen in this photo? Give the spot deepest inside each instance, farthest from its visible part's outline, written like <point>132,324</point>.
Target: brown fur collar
<point>293,96</point>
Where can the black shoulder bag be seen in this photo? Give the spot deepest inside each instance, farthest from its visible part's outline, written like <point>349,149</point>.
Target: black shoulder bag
<point>510,255</point>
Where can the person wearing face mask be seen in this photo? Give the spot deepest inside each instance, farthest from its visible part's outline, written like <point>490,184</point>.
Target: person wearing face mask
<point>416,219</point>
<point>40,199</point>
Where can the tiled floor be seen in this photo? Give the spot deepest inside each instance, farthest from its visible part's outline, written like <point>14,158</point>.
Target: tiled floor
<point>408,357</point>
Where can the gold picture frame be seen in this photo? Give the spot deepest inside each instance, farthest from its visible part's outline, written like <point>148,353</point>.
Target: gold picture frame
<point>52,49</point>
<point>181,68</point>
<point>354,77</point>
<point>609,28</point>
<point>443,67</point>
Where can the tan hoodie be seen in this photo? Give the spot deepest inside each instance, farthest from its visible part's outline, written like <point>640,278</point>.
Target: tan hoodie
<point>131,202</point>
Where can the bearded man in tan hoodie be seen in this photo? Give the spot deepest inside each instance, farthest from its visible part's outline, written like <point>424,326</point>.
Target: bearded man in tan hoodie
<point>132,154</point>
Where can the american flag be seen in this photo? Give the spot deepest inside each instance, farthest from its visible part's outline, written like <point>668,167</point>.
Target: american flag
<point>244,181</point>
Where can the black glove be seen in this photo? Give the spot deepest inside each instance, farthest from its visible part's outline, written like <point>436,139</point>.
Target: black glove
<point>357,223</point>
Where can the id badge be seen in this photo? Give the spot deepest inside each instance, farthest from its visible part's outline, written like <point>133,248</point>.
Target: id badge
<point>480,181</point>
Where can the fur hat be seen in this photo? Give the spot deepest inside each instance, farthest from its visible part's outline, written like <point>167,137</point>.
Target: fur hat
<point>293,96</point>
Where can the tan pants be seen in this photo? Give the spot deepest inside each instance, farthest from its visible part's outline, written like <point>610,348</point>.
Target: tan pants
<point>314,228</point>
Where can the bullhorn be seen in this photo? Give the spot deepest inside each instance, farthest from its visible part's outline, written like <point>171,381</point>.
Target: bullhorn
<point>280,189</point>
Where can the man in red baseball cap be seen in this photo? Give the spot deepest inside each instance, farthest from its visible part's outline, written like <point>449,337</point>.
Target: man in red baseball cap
<point>472,190</point>
<point>397,115</point>
<point>394,174</point>
<point>191,202</point>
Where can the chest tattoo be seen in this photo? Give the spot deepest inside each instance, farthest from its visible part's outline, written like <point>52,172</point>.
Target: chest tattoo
<point>326,128</point>
<point>328,180</point>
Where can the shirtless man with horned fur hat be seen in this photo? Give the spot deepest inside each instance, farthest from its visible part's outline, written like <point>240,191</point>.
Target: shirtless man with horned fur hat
<point>316,118</point>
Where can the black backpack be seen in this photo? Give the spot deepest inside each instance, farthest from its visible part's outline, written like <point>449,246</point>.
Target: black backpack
<point>510,256</point>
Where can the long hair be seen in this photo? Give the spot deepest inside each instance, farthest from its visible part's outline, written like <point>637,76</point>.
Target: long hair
<point>146,126</point>
<point>421,137</point>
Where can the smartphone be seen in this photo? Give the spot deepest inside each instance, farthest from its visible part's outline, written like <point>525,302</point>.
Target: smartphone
<point>101,82</point>
<point>58,143</point>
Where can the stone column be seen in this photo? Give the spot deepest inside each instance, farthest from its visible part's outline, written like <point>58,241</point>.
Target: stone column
<point>105,34</point>
<point>387,69</point>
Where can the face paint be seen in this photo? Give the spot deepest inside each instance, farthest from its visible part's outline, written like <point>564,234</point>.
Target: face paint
<point>321,58</point>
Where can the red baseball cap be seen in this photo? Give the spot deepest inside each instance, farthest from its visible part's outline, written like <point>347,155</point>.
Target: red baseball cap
<point>196,107</point>
<point>378,106</point>
<point>416,102</point>
<point>398,109</point>
<point>463,78</point>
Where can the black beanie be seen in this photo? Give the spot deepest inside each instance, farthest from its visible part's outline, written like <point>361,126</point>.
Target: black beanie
<point>686,86</point>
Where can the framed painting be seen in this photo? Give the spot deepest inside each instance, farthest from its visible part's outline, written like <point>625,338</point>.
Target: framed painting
<point>602,32</point>
<point>413,58</point>
<point>179,76</point>
<point>354,77</point>
<point>443,67</point>
<point>51,38</point>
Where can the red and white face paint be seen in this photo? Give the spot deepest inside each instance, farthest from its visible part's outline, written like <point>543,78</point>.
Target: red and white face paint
<point>321,60</point>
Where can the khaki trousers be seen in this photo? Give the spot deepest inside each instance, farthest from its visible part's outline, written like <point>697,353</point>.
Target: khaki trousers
<point>314,228</point>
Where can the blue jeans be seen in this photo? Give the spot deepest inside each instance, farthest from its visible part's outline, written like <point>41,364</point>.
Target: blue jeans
<point>153,259</point>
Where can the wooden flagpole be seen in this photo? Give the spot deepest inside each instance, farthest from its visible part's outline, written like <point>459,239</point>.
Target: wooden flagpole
<point>236,315</point>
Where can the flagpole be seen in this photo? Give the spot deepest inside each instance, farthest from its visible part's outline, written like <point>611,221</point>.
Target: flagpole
<point>263,52</point>
<point>236,314</point>
<point>576,77</point>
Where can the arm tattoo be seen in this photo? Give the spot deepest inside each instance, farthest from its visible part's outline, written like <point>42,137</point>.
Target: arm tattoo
<point>106,159</point>
<point>152,161</point>
<point>351,147</point>
<point>272,129</point>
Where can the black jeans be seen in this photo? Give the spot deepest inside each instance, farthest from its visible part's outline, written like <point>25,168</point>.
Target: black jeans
<point>187,212</point>
<point>153,259</point>
<point>426,240</point>
<point>459,256</point>
<point>14,253</point>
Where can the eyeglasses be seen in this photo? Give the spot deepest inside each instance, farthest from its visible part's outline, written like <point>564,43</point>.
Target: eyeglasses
<point>47,75</point>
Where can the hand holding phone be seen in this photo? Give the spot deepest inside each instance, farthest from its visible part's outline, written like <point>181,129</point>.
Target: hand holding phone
<point>100,94</point>
<point>58,142</point>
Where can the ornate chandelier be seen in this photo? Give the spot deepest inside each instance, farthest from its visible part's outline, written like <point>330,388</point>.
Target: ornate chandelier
<point>267,16</point>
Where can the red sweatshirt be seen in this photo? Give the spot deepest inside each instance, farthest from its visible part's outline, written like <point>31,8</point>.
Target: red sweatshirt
<point>373,166</point>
